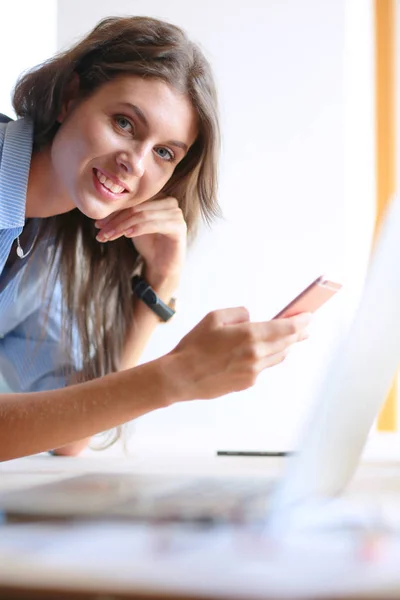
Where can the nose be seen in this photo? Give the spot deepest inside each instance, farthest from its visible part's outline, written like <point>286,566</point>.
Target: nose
<point>133,161</point>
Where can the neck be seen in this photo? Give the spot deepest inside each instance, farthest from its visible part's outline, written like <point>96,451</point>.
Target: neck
<point>45,195</point>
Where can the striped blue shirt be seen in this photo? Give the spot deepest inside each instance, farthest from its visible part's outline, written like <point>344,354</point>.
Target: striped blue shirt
<point>25,364</point>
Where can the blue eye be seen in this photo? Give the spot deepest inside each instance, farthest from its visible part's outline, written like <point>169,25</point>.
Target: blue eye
<point>124,123</point>
<point>165,154</point>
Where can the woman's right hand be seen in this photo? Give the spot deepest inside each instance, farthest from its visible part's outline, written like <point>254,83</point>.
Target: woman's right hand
<point>226,352</point>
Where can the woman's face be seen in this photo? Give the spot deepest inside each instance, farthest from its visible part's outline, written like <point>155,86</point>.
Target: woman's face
<point>119,147</point>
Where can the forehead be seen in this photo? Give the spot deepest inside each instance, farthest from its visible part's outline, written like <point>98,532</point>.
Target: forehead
<point>164,107</point>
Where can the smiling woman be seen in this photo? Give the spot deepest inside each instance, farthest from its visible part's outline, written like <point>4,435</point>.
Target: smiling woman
<point>111,163</point>
<point>109,108</point>
<point>105,160</point>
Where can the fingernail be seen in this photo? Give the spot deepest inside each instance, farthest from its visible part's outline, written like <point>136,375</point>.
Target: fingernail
<point>104,236</point>
<point>306,318</point>
<point>108,234</point>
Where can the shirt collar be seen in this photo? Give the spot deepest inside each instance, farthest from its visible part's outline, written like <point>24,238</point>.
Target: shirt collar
<point>15,160</point>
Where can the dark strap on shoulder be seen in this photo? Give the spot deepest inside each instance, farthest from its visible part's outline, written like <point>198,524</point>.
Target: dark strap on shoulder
<point>4,118</point>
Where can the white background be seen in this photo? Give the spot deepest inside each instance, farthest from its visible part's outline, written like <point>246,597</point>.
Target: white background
<point>28,37</point>
<point>295,82</point>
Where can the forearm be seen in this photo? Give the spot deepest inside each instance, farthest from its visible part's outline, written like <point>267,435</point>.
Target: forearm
<point>224,353</point>
<point>143,327</point>
<point>40,421</point>
<point>144,324</point>
<point>78,446</point>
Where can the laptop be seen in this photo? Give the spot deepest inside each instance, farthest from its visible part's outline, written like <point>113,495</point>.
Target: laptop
<point>353,389</point>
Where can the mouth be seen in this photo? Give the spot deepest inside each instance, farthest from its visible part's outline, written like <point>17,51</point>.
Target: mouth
<point>108,188</point>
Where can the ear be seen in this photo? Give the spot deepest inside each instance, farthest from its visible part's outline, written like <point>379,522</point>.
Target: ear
<point>71,94</point>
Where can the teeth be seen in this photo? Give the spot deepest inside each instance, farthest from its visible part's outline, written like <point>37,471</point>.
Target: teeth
<point>110,185</point>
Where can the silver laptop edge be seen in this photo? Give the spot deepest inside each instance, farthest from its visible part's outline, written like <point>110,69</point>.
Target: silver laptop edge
<point>355,385</point>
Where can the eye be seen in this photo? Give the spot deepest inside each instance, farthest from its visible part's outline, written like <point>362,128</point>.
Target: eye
<point>165,154</point>
<point>124,123</point>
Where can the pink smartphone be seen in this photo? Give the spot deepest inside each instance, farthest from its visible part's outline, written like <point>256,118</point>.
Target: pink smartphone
<point>311,298</point>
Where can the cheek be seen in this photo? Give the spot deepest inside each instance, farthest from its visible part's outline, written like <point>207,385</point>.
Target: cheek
<point>64,156</point>
<point>157,178</point>
<point>99,139</point>
<point>68,149</point>
<point>76,144</point>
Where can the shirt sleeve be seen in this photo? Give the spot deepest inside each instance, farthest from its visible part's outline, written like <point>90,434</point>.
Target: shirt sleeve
<point>31,355</point>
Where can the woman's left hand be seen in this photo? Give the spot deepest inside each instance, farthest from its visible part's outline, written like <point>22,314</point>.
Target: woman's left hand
<point>159,232</point>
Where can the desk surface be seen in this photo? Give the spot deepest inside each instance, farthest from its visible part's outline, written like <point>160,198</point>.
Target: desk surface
<point>137,560</point>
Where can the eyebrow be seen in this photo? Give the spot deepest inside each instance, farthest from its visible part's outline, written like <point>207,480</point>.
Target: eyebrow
<point>142,117</point>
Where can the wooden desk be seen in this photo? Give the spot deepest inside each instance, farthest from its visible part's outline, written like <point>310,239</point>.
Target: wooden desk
<point>139,561</point>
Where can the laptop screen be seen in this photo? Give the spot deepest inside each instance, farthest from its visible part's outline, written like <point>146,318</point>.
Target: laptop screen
<point>355,385</point>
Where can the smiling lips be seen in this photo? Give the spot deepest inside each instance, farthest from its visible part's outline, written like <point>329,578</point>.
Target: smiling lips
<point>113,187</point>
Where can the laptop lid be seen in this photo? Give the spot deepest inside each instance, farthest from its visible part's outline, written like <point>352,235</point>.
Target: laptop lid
<point>355,385</point>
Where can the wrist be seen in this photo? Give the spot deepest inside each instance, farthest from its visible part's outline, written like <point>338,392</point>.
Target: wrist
<point>175,379</point>
<point>152,299</point>
<point>164,285</point>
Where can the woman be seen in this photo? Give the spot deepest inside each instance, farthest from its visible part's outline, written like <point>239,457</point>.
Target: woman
<point>108,167</point>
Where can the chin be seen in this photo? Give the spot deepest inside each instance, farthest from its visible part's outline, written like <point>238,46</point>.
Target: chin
<point>94,210</point>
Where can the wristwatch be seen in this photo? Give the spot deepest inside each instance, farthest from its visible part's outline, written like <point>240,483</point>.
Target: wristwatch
<point>145,292</point>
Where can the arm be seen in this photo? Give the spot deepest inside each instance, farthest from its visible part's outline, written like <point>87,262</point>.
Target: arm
<point>39,421</point>
<point>222,354</point>
<point>144,325</point>
<point>158,230</point>
<point>159,233</point>
<point>164,283</point>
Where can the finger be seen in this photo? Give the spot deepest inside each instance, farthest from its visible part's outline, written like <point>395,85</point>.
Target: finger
<point>163,227</point>
<point>163,204</point>
<point>100,223</point>
<point>289,340</point>
<point>272,360</point>
<point>301,319</point>
<point>123,223</point>
<point>269,354</point>
<point>115,220</point>
<point>279,328</point>
<point>304,335</point>
<point>227,316</point>
<point>144,225</point>
<point>127,219</point>
<point>170,228</point>
<point>259,351</point>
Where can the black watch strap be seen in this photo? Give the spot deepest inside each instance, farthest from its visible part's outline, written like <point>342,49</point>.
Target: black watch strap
<point>145,292</point>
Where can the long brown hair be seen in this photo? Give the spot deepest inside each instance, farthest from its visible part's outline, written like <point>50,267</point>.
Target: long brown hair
<point>95,277</point>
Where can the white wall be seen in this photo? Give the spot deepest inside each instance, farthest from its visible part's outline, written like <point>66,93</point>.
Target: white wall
<point>28,37</point>
<point>297,188</point>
